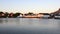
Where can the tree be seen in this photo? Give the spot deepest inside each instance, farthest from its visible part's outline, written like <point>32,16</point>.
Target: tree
<point>16,14</point>
<point>6,14</point>
<point>30,13</point>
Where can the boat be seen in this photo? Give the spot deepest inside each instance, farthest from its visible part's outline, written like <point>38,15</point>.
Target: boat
<point>57,17</point>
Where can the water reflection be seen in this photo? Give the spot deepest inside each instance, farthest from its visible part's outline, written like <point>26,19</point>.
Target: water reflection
<point>30,21</point>
<point>1,21</point>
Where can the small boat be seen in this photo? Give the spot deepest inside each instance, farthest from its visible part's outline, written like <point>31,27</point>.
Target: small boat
<point>57,17</point>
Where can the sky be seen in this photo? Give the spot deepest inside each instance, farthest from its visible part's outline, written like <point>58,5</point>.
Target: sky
<point>25,6</point>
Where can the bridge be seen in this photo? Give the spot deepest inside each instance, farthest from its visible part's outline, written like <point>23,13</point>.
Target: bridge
<point>53,14</point>
<point>56,13</point>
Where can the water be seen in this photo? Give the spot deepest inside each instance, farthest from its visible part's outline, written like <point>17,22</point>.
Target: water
<point>29,26</point>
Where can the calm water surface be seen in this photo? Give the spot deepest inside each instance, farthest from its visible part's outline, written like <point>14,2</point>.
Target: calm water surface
<point>29,26</point>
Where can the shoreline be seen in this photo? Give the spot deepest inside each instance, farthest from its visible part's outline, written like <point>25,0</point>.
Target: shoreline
<point>37,17</point>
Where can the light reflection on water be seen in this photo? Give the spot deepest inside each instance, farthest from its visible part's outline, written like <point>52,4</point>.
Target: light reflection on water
<point>29,26</point>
